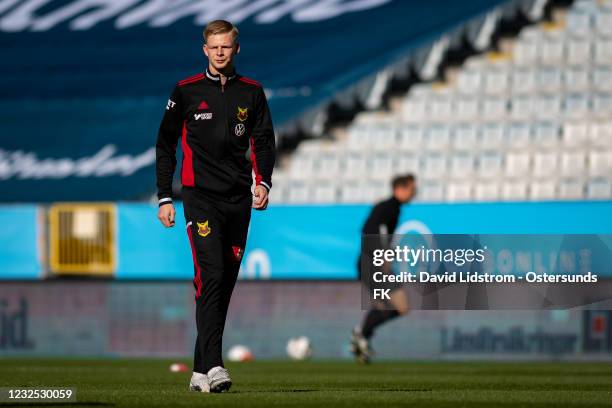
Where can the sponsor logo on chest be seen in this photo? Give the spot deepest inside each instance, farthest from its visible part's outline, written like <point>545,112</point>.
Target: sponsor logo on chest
<point>239,129</point>
<point>203,116</point>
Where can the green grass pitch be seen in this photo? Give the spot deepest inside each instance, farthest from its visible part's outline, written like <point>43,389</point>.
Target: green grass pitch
<point>148,383</point>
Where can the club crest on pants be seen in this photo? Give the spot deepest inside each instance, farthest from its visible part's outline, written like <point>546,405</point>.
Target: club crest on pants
<point>239,129</point>
<point>238,252</point>
<point>203,228</point>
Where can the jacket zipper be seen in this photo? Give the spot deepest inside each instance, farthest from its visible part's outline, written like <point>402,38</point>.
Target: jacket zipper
<point>225,118</point>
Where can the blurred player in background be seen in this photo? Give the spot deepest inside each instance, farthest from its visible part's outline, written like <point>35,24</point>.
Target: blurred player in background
<point>218,115</point>
<point>382,222</point>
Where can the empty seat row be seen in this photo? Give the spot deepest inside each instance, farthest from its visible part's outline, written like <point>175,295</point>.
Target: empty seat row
<point>587,17</point>
<point>485,165</point>
<point>519,107</point>
<point>568,189</point>
<point>494,135</point>
<point>433,191</point>
<point>562,50</point>
<point>533,80</point>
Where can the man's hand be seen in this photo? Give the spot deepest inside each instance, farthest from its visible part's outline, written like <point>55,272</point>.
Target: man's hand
<point>166,215</point>
<point>260,198</point>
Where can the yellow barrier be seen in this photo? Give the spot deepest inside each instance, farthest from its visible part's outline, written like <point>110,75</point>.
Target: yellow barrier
<point>82,239</point>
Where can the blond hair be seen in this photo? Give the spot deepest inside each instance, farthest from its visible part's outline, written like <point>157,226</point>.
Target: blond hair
<point>220,27</point>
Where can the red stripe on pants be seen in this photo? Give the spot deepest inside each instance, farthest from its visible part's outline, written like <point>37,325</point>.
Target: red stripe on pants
<point>198,278</point>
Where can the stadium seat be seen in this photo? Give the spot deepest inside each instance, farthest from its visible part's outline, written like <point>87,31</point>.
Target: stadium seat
<point>490,165</point>
<point>548,79</point>
<point>518,136</point>
<point>407,163</point>
<point>413,110</point>
<point>545,164</point>
<point>523,81</point>
<point>466,108</point>
<point>603,22</point>
<point>459,191</point>
<point>602,105</point>
<point>514,190</point>
<point>381,167</point>
<point>465,137</point>
<point>355,166</point>
<point>277,194</point>
<point>496,81</point>
<point>308,146</point>
<point>411,137</point>
<point>327,166</point>
<point>469,81</point>
<point>358,137</point>
<point>578,51</point>
<point>600,163</point>
<point>439,107</point>
<point>599,189</point>
<point>324,193</point>
<point>575,134</point>
<point>545,134</point>
<point>547,107</point>
<point>486,192</point>
<point>298,193</point>
<point>576,106</point>
<point>600,134</point>
<point>603,51</point>
<point>492,136</point>
<point>576,79</point>
<point>573,163</point>
<point>383,138</point>
<point>351,193</point>
<point>431,191</point>
<point>462,165</point>
<point>551,49</point>
<point>542,190</point>
<point>602,79</point>
<point>571,189</point>
<point>517,165</point>
<point>578,22</point>
<point>437,138</point>
<point>522,107</point>
<point>434,166</point>
<point>373,192</point>
<point>525,52</point>
<point>302,167</point>
<point>494,108</point>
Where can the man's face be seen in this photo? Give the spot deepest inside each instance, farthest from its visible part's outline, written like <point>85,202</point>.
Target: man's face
<point>406,192</point>
<point>220,50</point>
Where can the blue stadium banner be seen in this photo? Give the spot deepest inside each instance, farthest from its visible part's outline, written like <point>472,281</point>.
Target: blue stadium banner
<point>84,84</point>
<point>322,242</point>
<point>19,243</point>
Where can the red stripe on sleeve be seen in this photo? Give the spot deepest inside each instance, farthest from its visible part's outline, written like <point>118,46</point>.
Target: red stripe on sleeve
<point>187,176</point>
<point>258,177</point>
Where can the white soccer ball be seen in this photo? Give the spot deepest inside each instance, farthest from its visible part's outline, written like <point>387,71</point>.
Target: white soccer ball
<point>239,353</point>
<point>299,348</point>
<point>179,368</point>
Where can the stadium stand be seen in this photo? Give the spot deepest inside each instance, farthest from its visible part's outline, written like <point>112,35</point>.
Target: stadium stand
<point>529,121</point>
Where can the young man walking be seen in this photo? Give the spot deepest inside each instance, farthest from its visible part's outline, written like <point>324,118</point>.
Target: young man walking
<point>218,115</point>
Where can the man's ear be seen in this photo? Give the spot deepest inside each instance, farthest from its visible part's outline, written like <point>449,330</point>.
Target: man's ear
<point>205,50</point>
<point>237,48</point>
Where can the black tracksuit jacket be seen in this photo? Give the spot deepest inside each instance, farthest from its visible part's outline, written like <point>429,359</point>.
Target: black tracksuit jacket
<point>217,124</point>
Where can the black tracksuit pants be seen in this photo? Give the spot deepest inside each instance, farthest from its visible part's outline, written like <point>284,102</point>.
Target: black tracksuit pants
<point>217,231</point>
